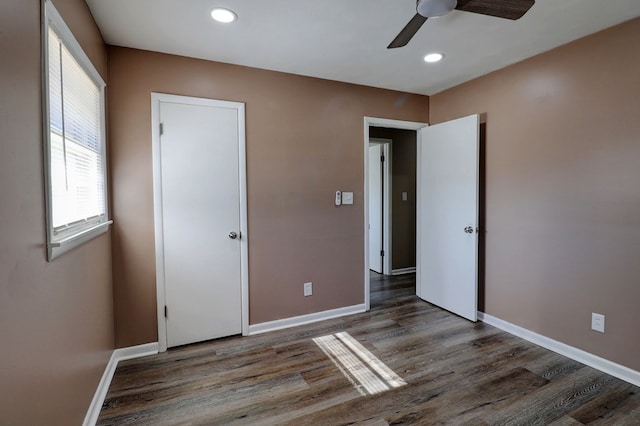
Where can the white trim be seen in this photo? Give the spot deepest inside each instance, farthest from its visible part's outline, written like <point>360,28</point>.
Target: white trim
<point>117,355</point>
<point>418,220</point>
<point>156,98</point>
<point>244,227</point>
<point>386,208</point>
<point>305,319</point>
<point>604,365</point>
<point>158,220</point>
<point>138,351</point>
<point>402,271</point>
<point>392,124</point>
<point>56,249</point>
<point>82,236</point>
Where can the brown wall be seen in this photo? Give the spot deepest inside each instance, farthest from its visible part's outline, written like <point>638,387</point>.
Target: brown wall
<point>56,319</point>
<point>403,178</point>
<point>304,142</point>
<point>562,190</point>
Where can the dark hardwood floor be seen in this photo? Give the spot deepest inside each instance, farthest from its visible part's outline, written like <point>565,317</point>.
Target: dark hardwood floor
<point>457,373</point>
<point>386,287</point>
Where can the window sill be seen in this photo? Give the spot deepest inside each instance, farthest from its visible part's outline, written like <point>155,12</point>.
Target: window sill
<point>58,248</point>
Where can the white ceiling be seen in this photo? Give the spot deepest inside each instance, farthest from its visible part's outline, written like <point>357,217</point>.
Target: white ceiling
<point>346,40</point>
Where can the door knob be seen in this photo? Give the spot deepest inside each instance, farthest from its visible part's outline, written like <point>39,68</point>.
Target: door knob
<point>233,235</point>
<point>468,230</point>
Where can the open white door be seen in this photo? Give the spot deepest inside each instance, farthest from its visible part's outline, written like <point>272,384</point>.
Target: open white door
<point>375,207</point>
<point>447,212</point>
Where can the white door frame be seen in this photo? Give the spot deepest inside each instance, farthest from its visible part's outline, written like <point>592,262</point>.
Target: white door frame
<point>386,203</point>
<point>392,124</point>
<point>156,98</point>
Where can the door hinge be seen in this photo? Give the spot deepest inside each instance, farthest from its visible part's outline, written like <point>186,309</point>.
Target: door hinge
<point>382,158</point>
<point>166,311</point>
<point>382,253</point>
<point>161,129</point>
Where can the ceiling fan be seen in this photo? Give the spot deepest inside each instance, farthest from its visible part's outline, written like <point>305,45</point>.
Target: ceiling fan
<point>508,9</point>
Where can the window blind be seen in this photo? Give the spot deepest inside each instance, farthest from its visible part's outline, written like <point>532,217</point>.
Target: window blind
<point>76,163</point>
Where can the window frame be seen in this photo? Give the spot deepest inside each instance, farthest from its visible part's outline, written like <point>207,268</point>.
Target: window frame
<point>80,232</point>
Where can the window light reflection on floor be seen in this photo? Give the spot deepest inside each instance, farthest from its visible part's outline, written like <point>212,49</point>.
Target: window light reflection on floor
<point>364,370</point>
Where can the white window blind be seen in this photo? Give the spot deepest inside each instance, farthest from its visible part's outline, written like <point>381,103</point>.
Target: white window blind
<point>75,149</point>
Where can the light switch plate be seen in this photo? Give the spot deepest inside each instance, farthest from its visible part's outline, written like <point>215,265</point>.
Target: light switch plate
<point>308,289</point>
<point>347,198</point>
<point>597,322</point>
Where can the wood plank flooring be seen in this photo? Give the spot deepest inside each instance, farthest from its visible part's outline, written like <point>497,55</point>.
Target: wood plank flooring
<point>458,373</point>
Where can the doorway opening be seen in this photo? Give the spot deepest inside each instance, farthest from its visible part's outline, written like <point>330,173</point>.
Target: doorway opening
<point>399,227</point>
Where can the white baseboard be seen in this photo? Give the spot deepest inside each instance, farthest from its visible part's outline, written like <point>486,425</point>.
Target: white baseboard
<point>103,387</point>
<point>604,365</point>
<point>305,319</point>
<point>402,271</point>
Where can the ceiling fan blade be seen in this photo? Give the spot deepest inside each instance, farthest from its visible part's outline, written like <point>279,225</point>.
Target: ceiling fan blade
<point>508,9</point>
<point>408,32</point>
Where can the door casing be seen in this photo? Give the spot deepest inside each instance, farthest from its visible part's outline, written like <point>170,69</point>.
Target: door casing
<point>156,99</point>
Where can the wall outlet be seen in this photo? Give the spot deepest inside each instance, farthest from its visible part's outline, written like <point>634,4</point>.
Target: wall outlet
<point>308,289</point>
<point>597,322</point>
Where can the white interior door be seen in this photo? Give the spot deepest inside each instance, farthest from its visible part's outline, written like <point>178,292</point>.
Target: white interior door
<point>200,191</point>
<point>375,207</point>
<point>448,215</point>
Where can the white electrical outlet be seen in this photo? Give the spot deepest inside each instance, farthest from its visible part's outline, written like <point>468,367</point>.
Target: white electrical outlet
<point>308,289</point>
<point>597,322</point>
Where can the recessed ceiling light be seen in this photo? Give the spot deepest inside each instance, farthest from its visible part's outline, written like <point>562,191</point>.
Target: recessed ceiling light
<point>223,15</point>
<point>433,57</point>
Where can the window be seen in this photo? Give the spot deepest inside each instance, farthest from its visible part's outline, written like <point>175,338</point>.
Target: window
<point>75,160</point>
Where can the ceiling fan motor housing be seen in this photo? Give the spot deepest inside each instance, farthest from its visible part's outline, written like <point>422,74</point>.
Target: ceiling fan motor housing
<point>435,8</point>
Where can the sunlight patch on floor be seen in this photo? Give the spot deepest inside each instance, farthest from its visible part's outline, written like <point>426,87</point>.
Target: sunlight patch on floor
<point>364,370</point>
